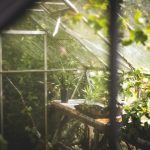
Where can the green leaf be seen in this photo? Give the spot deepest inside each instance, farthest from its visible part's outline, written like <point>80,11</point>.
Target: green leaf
<point>92,18</point>
<point>77,17</point>
<point>140,36</point>
<point>148,48</point>
<point>148,29</point>
<point>127,42</point>
<point>137,16</point>
<point>102,22</point>
<point>104,6</point>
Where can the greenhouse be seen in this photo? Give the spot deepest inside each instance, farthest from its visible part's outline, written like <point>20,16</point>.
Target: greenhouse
<point>55,72</point>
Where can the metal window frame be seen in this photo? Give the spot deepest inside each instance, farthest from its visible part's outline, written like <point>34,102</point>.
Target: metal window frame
<point>113,71</point>
<point>45,71</point>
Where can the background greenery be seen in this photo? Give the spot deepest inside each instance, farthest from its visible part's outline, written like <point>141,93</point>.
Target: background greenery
<point>23,93</point>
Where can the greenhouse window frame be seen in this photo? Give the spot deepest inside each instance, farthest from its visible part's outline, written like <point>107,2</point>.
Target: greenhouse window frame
<point>113,59</point>
<point>45,71</point>
<point>24,32</point>
<point>1,89</point>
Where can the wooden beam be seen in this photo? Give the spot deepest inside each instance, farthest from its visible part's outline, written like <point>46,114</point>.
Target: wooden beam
<point>143,142</point>
<point>23,32</point>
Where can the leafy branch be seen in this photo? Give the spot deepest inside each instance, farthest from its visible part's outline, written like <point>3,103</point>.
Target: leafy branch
<point>27,110</point>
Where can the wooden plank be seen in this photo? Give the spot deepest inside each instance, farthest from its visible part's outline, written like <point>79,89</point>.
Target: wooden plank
<point>143,142</point>
<point>79,116</point>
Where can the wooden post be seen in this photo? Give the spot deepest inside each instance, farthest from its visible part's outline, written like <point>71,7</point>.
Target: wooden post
<point>113,66</point>
<point>57,134</point>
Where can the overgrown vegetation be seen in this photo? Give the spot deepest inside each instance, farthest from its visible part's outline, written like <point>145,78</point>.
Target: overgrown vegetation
<point>96,89</point>
<point>136,117</point>
<point>23,93</point>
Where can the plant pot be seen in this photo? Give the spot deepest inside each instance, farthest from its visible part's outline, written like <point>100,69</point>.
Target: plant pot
<point>64,95</point>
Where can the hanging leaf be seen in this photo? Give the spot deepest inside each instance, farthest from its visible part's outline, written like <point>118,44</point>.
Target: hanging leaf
<point>140,36</point>
<point>77,17</point>
<point>148,48</point>
<point>103,22</point>
<point>127,42</point>
<point>148,29</point>
<point>137,16</point>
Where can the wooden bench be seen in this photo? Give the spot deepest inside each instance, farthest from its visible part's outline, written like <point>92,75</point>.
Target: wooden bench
<point>95,126</point>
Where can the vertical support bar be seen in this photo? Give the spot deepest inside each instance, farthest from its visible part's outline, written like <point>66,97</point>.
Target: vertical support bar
<point>45,91</point>
<point>1,90</point>
<point>113,66</point>
<point>77,85</point>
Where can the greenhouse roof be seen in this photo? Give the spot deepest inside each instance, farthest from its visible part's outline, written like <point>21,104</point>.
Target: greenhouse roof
<point>79,41</point>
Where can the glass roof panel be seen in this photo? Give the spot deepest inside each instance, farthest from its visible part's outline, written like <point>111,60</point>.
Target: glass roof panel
<point>58,56</point>
<point>71,43</point>
<point>78,41</point>
<point>95,44</point>
<point>24,23</point>
<point>137,56</point>
<point>44,20</point>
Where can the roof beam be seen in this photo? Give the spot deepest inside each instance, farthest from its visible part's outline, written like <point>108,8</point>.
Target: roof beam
<point>39,71</point>
<point>71,5</point>
<point>35,9</point>
<point>51,3</point>
<point>23,32</point>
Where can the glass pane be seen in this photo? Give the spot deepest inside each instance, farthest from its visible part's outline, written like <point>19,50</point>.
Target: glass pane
<point>59,56</point>
<point>70,80</point>
<point>137,56</point>
<point>22,52</point>
<point>23,96</point>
